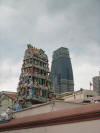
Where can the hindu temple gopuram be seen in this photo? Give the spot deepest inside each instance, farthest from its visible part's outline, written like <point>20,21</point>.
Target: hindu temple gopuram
<point>34,83</point>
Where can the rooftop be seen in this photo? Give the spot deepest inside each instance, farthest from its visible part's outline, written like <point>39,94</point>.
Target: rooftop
<point>79,114</point>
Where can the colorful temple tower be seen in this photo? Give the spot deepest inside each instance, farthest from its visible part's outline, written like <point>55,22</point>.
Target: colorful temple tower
<point>61,71</point>
<point>34,83</point>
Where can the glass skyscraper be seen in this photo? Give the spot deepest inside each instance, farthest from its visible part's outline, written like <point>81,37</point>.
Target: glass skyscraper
<point>61,71</point>
<point>96,84</point>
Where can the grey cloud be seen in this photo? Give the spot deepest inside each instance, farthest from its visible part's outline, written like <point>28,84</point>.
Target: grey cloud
<point>51,24</point>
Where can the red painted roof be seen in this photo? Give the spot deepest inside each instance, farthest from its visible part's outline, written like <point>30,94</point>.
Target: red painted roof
<point>11,95</point>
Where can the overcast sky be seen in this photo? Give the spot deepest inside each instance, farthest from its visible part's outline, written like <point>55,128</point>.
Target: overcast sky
<point>50,24</point>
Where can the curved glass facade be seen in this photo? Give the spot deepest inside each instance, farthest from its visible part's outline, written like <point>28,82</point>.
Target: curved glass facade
<point>61,71</point>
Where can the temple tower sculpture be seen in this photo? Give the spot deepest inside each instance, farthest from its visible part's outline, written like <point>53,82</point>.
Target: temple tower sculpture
<point>34,83</point>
